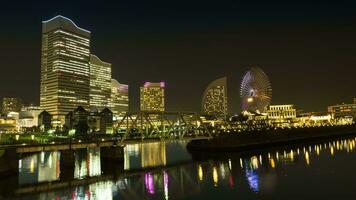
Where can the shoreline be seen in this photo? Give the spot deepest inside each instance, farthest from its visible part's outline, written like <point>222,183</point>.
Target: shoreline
<point>259,140</point>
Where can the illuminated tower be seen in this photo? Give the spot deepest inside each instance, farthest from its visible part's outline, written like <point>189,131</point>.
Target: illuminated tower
<point>119,100</point>
<point>215,98</point>
<point>152,97</point>
<point>100,83</point>
<point>64,67</point>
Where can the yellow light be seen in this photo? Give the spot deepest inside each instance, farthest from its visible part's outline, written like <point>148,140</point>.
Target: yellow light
<point>332,151</point>
<point>307,159</point>
<point>250,100</point>
<point>273,164</point>
<point>200,173</point>
<point>215,177</point>
<point>291,155</point>
<point>17,137</point>
<point>254,162</point>
<point>32,166</point>
<point>32,137</point>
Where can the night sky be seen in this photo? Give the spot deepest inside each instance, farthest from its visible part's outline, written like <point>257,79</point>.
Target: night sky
<point>307,49</point>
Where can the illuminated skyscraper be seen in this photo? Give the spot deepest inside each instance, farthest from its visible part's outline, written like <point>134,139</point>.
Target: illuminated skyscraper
<point>215,98</point>
<point>152,97</point>
<point>64,67</point>
<point>119,100</point>
<point>100,83</point>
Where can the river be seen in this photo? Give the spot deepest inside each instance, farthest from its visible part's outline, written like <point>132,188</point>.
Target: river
<point>165,170</point>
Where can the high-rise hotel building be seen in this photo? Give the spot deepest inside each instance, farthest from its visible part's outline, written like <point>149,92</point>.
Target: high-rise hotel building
<point>100,83</point>
<point>214,100</point>
<point>64,67</point>
<point>152,97</point>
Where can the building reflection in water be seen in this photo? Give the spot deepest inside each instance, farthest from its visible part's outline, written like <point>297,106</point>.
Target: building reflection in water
<point>257,173</point>
<point>252,178</point>
<point>150,188</point>
<point>87,163</point>
<point>41,167</point>
<point>154,154</point>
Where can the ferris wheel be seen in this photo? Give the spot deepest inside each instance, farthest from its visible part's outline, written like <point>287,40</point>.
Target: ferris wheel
<point>256,91</point>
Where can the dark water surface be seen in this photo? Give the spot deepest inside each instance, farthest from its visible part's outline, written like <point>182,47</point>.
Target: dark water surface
<point>165,170</point>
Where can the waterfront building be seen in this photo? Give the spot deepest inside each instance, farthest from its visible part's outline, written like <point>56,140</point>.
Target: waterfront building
<point>78,120</point>
<point>281,115</point>
<point>64,67</point>
<point>106,121</point>
<point>256,91</point>
<point>94,121</point>
<point>343,110</point>
<point>100,83</point>
<point>313,119</point>
<point>281,112</point>
<point>152,97</point>
<point>119,99</point>
<point>28,117</point>
<point>214,100</point>
<point>45,120</point>
<point>11,104</point>
<point>8,125</point>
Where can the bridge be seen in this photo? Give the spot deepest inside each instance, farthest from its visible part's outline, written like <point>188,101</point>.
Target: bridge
<point>162,125</point>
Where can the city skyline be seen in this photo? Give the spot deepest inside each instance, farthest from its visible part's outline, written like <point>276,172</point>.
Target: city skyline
<point>283,67</point>
<point>177,100</point>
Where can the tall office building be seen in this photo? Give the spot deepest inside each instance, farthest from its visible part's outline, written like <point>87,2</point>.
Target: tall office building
<point>100,83</point>
<point>215,98</point>
<point>119,100</point>
<point>152,97</point>
<point>64,67</point>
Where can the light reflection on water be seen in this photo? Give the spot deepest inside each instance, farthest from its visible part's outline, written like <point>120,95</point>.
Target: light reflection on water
<point>87,163</point>
<point>230,176</point>
<point>39,168</point>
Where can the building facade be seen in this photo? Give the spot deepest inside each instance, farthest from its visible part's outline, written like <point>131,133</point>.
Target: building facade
<point>64,67</point>
<point>281,112</point>
<point>343,110</point>
<point>214,101</point>
<point>152,97</point>
<point>28,117</point>
<point>100,83</point>
<point>10,104</point>
<point>119,100</point>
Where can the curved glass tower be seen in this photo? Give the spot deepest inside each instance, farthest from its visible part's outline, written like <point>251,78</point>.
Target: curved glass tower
<point>214,100</point>
<point>100,83</point>
<point>64,67</point>
<point>256,91</point>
